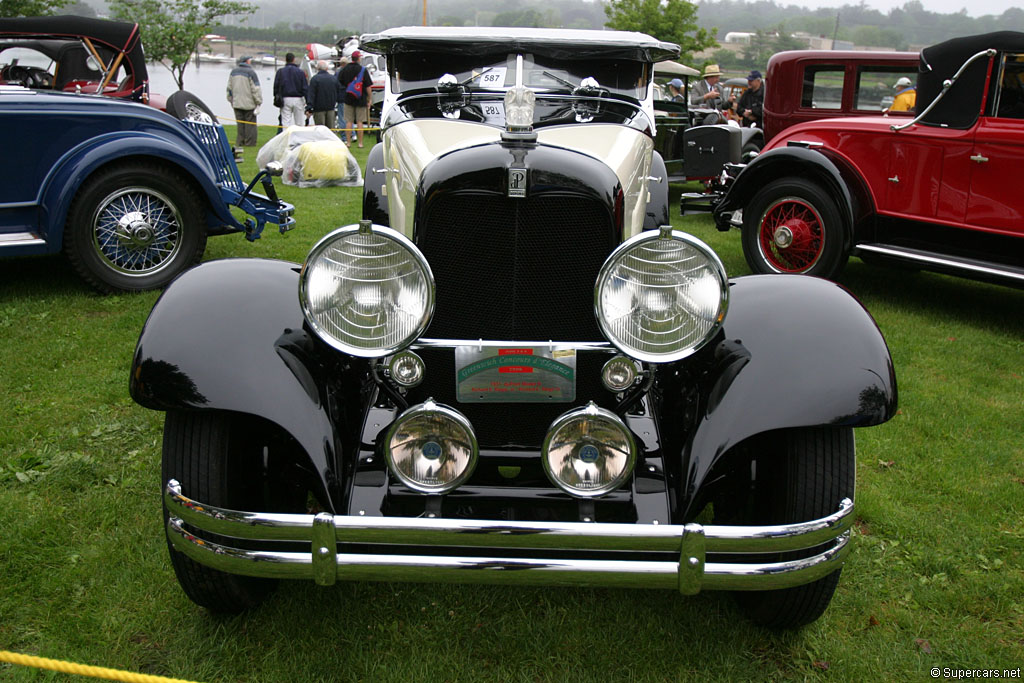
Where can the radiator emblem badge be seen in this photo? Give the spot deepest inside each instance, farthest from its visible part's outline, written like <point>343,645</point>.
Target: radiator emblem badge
<point>516,182</point>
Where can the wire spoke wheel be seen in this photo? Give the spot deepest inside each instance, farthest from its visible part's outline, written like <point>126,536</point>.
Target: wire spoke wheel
<point>794,225</point>
<point>791,237</point>
<point>137,231</point>
<point>134,226</point>
<point>195,113</point>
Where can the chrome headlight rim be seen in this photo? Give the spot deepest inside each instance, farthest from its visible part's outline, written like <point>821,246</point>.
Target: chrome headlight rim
<point>427,407</point>
<point>650,236</point>
<point>599,412</point>
<point>366,227</point>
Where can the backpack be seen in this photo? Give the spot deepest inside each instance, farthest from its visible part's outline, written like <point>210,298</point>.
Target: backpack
<point>355,88</point>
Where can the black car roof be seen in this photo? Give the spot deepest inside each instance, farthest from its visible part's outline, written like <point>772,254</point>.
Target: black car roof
<point>940,62</point>
<point>122,36</point>
<point>566,44</point>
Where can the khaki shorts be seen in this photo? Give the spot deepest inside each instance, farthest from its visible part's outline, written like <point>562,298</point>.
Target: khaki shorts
<point>354,114</point>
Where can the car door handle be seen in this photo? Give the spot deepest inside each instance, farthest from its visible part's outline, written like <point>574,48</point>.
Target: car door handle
<point>894,179</point>
<point>980,159</point>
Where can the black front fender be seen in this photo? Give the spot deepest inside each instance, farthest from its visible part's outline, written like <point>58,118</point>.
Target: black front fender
<point>228,335</point>
<point>798,351</point>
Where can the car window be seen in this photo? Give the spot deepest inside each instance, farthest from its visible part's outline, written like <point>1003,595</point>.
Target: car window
<point>875,87</point>
<point>823,87</point>
<point>1009,101</point>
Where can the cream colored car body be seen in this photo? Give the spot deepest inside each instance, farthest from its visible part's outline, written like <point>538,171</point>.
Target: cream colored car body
<point>411,145</point>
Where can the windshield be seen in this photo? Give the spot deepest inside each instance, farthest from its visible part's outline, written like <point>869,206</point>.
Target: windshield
<point>419,70</point>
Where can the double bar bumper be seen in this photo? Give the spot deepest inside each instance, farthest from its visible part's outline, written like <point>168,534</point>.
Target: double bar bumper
<point>690,543</point>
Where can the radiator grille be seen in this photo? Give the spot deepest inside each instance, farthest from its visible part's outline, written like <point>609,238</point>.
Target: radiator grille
<point>515,269</point>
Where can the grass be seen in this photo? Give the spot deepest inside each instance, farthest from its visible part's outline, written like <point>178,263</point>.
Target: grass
<point>936,578</point>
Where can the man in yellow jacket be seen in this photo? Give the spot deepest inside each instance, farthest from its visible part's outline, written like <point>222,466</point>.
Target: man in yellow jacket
<point>906,95</point>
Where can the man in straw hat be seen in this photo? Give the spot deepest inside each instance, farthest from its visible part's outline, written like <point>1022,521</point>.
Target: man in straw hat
<point>706,93</point>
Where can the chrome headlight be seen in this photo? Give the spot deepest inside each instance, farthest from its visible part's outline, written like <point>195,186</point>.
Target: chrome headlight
<point>367,290</point>
<point>588,451</point>
<point>431,448</point>
<point>661,296</point>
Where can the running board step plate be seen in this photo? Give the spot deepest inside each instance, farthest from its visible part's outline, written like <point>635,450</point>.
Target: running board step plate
<point>946,263</point>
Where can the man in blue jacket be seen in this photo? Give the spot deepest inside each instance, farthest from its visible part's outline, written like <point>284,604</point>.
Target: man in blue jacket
<point>322,98</point>
<point>290,90</point>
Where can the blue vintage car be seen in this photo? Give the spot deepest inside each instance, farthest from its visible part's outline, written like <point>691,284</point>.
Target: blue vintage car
<point>128,192</point>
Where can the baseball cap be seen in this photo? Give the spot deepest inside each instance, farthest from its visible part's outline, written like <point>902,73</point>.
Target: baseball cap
<point>676,83</point>
<point>753,75</point>
<point>355,54</point>
<point>903,82</point>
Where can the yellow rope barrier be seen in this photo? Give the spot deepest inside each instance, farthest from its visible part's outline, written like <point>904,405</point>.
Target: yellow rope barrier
<point>83,670</point>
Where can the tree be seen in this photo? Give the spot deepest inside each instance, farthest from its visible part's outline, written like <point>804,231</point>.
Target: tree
<point>674,21</point>
<point>30,8</point>
<point>171,30</point>
<point>765,43</point>
<point>80,9</point>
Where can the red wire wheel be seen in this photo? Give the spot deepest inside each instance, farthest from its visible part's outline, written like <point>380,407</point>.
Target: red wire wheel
<point>794,225</point>
<point>791,237</point>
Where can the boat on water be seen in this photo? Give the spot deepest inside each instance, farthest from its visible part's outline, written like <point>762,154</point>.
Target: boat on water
<point>219,57</point>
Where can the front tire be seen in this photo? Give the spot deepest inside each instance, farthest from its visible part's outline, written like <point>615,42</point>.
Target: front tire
<point>793,226</point>
<point>217,461</point>
<point>802,474</point>
<point>134,227</point>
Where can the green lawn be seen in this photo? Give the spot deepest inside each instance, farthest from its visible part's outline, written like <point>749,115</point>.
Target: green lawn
<point>936,578</point>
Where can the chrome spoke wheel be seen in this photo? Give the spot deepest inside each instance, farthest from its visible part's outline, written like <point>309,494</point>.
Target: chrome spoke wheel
<point>137,231</point>
<point>195,113</point>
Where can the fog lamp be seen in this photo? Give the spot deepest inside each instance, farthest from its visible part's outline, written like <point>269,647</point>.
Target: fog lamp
<point>431,448</point>
<point>588,452</point>
<point>618,374</point>
<point>406,369</point>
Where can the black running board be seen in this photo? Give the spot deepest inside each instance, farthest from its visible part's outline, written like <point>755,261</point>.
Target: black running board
<point>988,271</point>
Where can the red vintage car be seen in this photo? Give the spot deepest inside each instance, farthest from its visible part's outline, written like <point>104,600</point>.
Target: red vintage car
<point>806,85</point>
<point>74,54</point>
<point>939,191</point>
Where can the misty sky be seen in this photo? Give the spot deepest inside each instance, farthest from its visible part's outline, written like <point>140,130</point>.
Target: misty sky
<point>974,9</point>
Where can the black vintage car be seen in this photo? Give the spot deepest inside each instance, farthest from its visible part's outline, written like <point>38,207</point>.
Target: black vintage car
<point>511,370</point>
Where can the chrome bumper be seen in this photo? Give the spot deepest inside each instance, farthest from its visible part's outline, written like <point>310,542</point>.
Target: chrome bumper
<point>689,574</point>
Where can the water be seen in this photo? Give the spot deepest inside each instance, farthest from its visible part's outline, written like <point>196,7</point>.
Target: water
<point>209,80</point>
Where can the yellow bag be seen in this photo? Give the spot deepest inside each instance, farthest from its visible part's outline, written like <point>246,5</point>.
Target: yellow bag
<point>323,160</point>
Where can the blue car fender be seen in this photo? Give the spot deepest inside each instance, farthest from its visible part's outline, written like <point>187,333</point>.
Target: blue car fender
<point>62,184</point>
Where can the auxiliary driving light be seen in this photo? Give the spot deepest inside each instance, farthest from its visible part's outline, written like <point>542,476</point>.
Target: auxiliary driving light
<point>588,451</point>
<point>406,368</point>
<point>431,448</point>
<point>618,374</point>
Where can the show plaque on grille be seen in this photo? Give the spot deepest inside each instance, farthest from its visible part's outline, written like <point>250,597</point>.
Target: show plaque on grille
<point>515,374</point>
